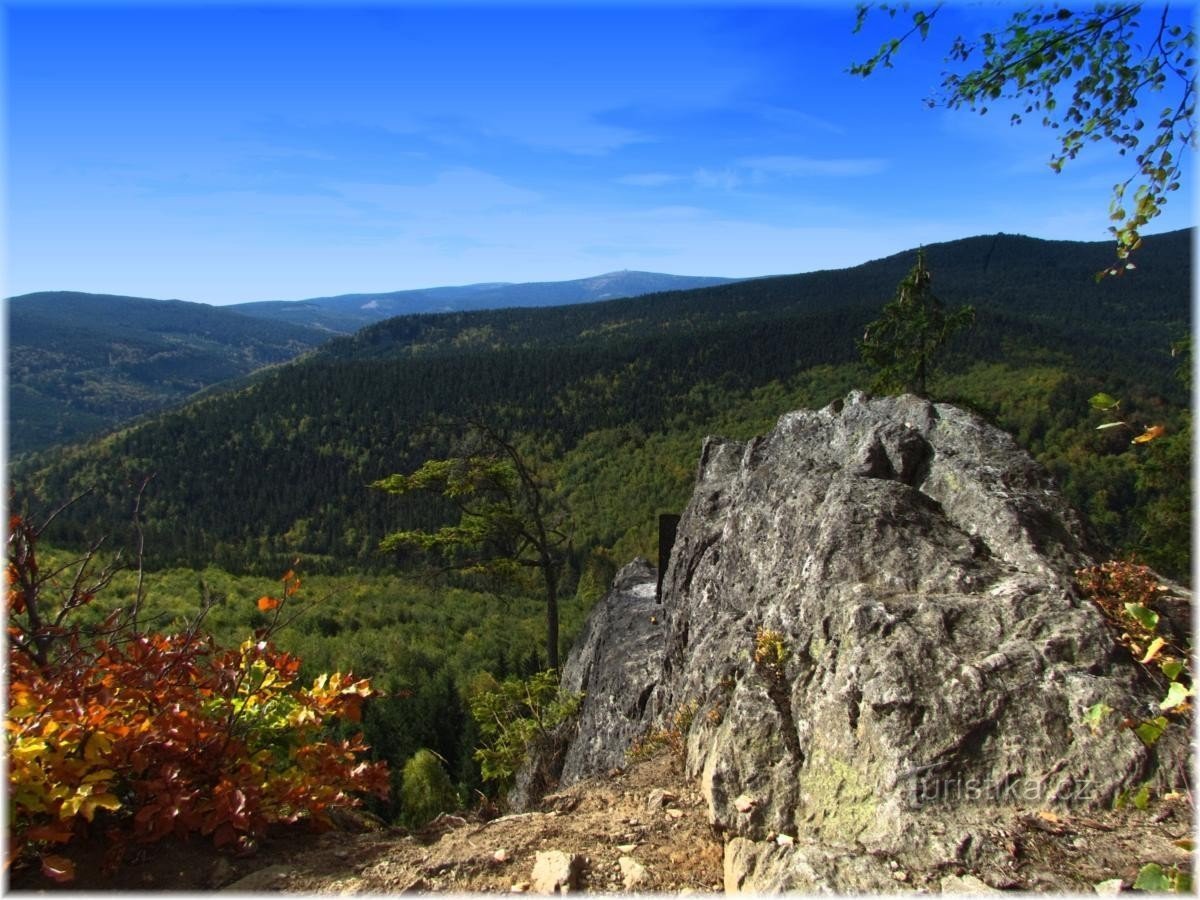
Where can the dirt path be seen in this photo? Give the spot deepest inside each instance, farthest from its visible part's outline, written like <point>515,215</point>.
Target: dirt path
<point>639,830</point>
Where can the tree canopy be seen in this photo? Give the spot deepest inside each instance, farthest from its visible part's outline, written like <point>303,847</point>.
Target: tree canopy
<point>509,521</point>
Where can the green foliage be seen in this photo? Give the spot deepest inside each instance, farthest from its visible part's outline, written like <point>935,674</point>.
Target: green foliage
<point>902,343</point>
<point>1124,593</point>
<point>81,363</point>
<point>426,790</point>
<point>1165,516</point>
<point>1147,618</point>
<point>421,644</point>
<point>511,519</point>
<point>1096,470</point>
<point>1096,715</point>
<point>1120,73</point>
<point>1150,730</point>
<point>512,714</point>
<point>250,480</point>
<point>1153,877</point>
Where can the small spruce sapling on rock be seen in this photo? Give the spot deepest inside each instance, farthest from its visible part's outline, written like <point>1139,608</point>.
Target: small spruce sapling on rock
<point>901,344</point>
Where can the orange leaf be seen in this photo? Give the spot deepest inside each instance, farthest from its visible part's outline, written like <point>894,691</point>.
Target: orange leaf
<point>1151,432</point>
<point>58,868</point>
<point>267,603</point>
<point>352,710</point>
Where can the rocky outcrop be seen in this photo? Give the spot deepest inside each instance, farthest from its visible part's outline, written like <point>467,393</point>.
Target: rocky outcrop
<point>873,611</point>
<point>616,664</point>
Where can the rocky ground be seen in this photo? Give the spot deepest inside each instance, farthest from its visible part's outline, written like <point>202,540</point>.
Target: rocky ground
<point>639,830</point>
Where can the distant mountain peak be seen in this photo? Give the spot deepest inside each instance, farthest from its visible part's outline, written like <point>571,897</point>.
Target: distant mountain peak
<point>346,313</point>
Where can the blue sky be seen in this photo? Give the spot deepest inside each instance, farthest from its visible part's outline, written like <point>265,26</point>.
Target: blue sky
<point>225,153</point>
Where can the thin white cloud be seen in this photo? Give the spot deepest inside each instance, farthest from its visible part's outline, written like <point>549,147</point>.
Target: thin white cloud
<point>649,179</point>
<point>721,179</point>
<point>799,166</point>
<point>454,191</point>
<point>668,212</point>
<point>756,170</point>
<point>795,119</point>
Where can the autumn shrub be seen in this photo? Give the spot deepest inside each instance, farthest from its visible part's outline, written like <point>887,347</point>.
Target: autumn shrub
<point>139,736</point>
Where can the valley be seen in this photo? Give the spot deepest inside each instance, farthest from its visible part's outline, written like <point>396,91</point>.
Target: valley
<point>611,401</point>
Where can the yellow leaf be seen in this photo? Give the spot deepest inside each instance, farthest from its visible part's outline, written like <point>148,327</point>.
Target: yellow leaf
<point>1152,650</point>
<point>100,801</point>
<point>24,751</point>
<point>1151,432</point>
<point>99,745</point>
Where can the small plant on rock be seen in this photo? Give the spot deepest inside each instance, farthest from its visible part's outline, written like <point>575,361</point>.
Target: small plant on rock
<point>512,714</point>
<point>771,654</point>
<point>673,738</point>
<point>1125,593</point>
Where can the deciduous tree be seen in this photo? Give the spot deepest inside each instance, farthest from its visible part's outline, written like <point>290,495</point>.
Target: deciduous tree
<point>1120,72</point>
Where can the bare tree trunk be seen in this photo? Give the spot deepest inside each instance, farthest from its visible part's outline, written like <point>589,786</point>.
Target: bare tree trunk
<point>551,615</point>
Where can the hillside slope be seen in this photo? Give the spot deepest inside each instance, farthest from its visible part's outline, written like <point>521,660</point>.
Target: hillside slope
<point>620,394</point>
<point>1049,282</point>
<point>79,363</point>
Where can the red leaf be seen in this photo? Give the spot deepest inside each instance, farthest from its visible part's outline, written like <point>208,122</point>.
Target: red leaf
<point>267,603</point>
<point>224,835</point>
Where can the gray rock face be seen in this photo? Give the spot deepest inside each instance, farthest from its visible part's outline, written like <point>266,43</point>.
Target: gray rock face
<point>617,665</point>
<point>916,568</point>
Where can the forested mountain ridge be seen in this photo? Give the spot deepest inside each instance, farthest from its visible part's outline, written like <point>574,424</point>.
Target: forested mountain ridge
<point>346,313</point>
<point>80,363</point>
<point>1047,281</point>
<point>618,395</point>
<point>83,363</point>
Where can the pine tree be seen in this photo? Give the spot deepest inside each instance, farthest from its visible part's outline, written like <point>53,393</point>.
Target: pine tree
<point>902,343</point>
<point>511,518</point>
